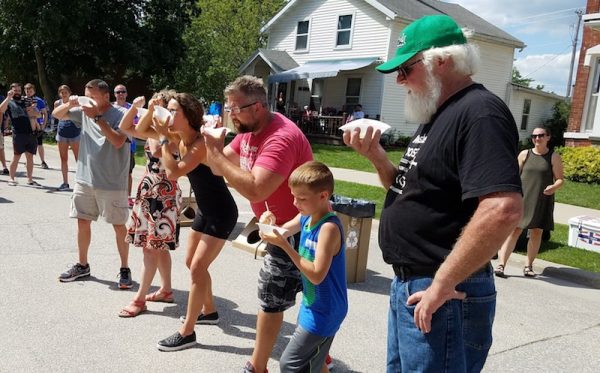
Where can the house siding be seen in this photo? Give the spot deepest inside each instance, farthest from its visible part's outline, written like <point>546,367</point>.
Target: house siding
<point>369,33</point>
<point>540,111</point>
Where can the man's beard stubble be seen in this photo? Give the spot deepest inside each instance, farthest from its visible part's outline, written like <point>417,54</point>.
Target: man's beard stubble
<point>419,107</point>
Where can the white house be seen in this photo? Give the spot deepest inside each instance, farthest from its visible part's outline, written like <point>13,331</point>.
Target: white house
<point>323,53</point>
<point>531,107</point>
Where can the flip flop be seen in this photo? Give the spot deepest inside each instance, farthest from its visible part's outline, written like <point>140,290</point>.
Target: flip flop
<point>158,296</point>
<point>141,306</point>
<point>528,271</point>
<point>33,183</point>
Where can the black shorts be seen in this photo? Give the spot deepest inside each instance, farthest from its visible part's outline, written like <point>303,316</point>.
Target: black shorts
<point>131,162</point>
<point>216,226</point>
<point>40,137</point>
<point>24,142</point>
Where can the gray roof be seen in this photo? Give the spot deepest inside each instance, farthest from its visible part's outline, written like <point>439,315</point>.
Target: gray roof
<point>280,60</point>
<point>413,9</point>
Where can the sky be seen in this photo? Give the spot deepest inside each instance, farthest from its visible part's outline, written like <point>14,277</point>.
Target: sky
<point>547,29</point>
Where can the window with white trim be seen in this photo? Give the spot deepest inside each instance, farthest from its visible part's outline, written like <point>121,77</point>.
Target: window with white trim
<point>344,31</point>
<point>593,99</point>
<point>525,115</point>
<point>302,35</point>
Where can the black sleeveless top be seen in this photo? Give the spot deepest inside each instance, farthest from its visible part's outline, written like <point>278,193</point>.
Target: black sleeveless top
<point>211,192</point>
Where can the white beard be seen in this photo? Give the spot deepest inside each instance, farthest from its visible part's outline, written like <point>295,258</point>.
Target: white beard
<point>420,107</point>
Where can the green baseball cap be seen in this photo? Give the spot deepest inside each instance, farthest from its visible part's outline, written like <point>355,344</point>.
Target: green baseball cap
<point>424,33</point>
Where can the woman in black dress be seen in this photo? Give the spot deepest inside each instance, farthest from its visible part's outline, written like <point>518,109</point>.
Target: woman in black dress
<point>215,218</point>
<point>541,175</point>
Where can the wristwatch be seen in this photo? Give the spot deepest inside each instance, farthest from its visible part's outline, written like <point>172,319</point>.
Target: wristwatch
<point>164,141</point>
<point>97,118</point>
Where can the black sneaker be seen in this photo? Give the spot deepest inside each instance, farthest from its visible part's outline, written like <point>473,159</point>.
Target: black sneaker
<point>75,272</point>
<point>5,172</point>
<point>210,319</point>
<point>176,342</point>
<point>125,279</point>
<point>44,166</point>
<point>63,186</point>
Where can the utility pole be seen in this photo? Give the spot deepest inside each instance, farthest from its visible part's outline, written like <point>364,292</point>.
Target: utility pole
<point>579,12</point>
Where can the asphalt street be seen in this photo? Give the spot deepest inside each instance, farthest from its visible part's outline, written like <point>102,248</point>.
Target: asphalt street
<point>542,325</point>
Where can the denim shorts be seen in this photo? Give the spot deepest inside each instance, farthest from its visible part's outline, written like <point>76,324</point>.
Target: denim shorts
<point>68,140</point>
<point>461,330</point>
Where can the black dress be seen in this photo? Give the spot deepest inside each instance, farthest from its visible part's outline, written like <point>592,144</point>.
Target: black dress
<point>535,177</point>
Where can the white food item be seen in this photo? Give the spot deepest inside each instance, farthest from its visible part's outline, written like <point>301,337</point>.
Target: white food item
<point>86,101</point>
<point>270,229</point>
<point>215,132</point>
<point>363,124</point>
<point>161,114</point>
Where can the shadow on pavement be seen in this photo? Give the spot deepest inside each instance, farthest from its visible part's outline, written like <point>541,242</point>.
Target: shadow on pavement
<point>4,200</point>
<point>375,282</point>
<point>565,276</point>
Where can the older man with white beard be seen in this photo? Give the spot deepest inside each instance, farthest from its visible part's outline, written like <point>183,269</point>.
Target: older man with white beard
<point>451,202</point>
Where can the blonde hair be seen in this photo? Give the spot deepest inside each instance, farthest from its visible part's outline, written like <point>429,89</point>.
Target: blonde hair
<point>316,176</point>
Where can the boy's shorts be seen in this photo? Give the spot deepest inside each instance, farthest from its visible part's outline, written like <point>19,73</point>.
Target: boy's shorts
<point>89,203</point>
<point>278,281</point>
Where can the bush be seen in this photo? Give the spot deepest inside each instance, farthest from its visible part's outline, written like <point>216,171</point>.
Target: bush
<point>581,164</point>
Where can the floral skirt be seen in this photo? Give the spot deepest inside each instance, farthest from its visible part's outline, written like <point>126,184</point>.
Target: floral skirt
<point>154,219</point>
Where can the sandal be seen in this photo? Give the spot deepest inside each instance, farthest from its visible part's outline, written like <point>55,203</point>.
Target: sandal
<point>528,272</point>
<point>138,304</point>
<point>499,271</point>
<point>158,296</point>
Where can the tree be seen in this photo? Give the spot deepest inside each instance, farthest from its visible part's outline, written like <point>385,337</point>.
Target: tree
<point>518,79</point>
<point>219,40</point>
<point>539,87</point>
<point>71,42</point>
<point>558,122</point>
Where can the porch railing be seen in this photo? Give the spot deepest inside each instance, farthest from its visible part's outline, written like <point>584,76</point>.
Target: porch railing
<point>323,125</point>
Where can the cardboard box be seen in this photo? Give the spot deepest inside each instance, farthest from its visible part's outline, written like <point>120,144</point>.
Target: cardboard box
<point>186,202</point>
<point>249,240</point>
<point>584,232</point>
<point>357,236</point>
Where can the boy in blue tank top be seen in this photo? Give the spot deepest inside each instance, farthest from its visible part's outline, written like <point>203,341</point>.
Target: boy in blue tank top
<point>322,262</point>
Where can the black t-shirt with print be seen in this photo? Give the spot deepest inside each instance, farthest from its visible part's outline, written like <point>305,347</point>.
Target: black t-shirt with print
<point>468,150</point>
<point>18,116</point>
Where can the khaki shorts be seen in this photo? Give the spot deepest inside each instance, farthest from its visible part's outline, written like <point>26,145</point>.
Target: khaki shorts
<point>89,203</point>
<point>1,140</point>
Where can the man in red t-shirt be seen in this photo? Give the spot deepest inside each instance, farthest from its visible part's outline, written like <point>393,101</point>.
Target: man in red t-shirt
<point>257,163</point>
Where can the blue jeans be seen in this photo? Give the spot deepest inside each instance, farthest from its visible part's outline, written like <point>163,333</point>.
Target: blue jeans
<point>461,330</point>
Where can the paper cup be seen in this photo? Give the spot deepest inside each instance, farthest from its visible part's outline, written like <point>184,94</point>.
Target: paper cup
<point>161,114</point>
<point>86,101</point>
<point>267,229</point>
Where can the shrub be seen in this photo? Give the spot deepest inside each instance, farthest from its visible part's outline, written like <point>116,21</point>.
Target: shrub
<point>581,164</point>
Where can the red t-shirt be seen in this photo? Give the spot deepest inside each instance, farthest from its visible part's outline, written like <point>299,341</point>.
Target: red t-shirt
<point>280,148</point>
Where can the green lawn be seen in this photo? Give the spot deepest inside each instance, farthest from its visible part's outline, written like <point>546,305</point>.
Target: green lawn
<point>345,157</point>
<point>556,250</point>
<point>579,194</point>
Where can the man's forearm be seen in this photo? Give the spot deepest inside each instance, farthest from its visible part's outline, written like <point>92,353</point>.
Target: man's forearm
<point>61,112</point>
<point>114,137</point>
<point>493,221</point>
<point>4,105</point>
<point>385,169</point>
<point>242,181</point>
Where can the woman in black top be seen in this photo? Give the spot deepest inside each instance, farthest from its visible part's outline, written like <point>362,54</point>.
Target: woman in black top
<point>215,219</point>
